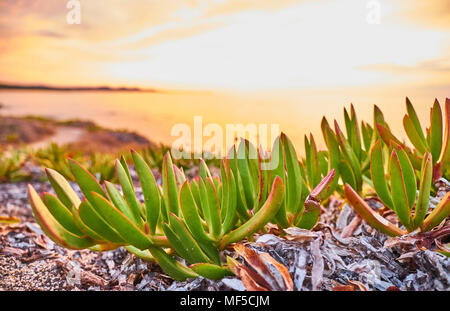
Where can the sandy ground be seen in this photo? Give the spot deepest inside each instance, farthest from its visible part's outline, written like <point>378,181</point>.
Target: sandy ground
<point>63,135</point>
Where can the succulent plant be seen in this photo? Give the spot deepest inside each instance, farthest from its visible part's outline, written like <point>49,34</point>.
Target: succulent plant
<point>349,155</point>
<point>255,176</point>
<point>154,157</point>
<point>56,157</point>
<point>301,206</point>
<point>208,220</point>
<point>194,220</point>
<point>11,166</point>
<point>433,140</point>
<point>397,189</point>
<point>101,165</point>
<point>195,225</point>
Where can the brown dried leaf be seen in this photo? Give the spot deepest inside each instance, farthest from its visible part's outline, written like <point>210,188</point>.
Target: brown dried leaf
<point>402,240</point>
<point>300,235</point>
<point>407,256</point>
<point>283,270</point>
<point>360,285</point>
<point>262,273</point>
<point>351,227</point>
<point>40,240</point>
<point>249,283</point>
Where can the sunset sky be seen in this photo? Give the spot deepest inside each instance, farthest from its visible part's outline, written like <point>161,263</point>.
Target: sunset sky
<point>237,45</point>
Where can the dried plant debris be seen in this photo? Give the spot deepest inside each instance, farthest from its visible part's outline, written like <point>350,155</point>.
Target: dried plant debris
<point>260,271</point>
<point>321,259</point>
<point>324,263</point>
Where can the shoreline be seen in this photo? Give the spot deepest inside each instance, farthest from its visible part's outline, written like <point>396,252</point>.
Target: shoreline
<point>38,132</point>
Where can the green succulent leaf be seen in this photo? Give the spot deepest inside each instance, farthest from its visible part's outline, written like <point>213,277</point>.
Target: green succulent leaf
<point>312,161</point>
<point>92,218</point>
<point>241,202</point>
<point>215,220</point>
<point>84,227</point>
<point>179,175</point>
<point>124,226</point>
<point>52,228</point>
<point>414,121</point>
<point>191,247</point>
<point>347,174</point>
<point>293,180</point>
<point>350,157</point>
<point>118,200</point>
<point>61,213</point>
<point>424,191</point>
<point>386,135</point>
<point>177,244</point>
<point>124,164</point>
<point>152,198</point>
<point>204,170</point>
<point>440,212</point>
<point>367,133</point>
<point>445,155</point>
<point>378,175</point>
<point>261,218</point>
<point>63,189</point>
<point>333,151</point>
<point>390,140</point>
<point>277,167</point>
<point>399,190</point>
<point>143,254</point>
<point>372,218</point>
<point>416,139</point>
<point>355,140</point>
<point>210,271</point>
<point>310,216</point>
<point>249,183</point>
<point>172,267</point>
<point>190,212</point>
<point>229,218</point>
<point>86,180</point>
<point>378,117</point>
<point>130,195</point>
<point>170,188</point>
<point>409,176</point>
<point>436,131</point>
<point>195,189</point>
